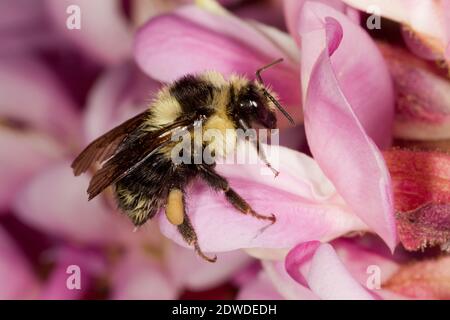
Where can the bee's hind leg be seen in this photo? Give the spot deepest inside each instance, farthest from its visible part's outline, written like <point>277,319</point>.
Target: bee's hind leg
<point>189,235</point>
<point>218,182</point>
<point>176,214</point>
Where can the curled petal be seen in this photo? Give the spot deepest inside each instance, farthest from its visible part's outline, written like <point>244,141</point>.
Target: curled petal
<point>23,155</point>
<point>299,256</point>
<point>305,204</point>
<point>33,97</point>
<point>364,75</point>
<point>68,215</point>
<point>341,123</point>
<point>422,196</point>
<point>423,96</point>
<point>215,42</point>
<point>293,8</point>
<point>366,259</point>
<point>284,284</point>
<point>16,274</point>
<point>104,32</point>
<point>325,274</point>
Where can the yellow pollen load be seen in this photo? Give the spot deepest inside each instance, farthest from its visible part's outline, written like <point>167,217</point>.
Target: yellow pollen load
<point>175,207</point>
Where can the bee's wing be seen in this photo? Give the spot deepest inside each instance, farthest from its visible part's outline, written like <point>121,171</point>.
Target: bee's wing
<point>105,146</point>
<point>131,156</point>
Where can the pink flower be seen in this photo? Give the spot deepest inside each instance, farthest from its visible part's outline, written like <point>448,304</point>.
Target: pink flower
<point>423,96</point>
<point>16,274</point>
<point>62,88</point>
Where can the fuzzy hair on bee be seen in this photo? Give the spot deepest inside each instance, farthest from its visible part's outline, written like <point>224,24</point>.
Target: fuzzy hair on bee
<point>136,156</point>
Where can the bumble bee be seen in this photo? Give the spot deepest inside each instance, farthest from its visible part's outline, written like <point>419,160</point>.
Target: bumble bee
<point>136,155</point>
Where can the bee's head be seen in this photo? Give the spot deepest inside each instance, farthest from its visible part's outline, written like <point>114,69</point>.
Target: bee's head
<point>258,104</point>
<point>255,106</point>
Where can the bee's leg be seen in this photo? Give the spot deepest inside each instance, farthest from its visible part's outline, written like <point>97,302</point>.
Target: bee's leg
<point>263,157</point>
<point>176,214</point>
<point>218,182</point>
<point>257,145</point>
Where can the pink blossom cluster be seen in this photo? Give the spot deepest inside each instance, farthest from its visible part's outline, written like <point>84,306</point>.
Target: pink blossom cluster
<point>363,196</point>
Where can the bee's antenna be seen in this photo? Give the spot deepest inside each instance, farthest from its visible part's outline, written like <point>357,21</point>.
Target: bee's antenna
<point>275,102</point>
<point>260,70</point>
<point>278,105</point>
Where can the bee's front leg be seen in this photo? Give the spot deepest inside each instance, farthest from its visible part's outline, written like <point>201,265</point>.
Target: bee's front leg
<point>257,145</point>
<point>218,182</point>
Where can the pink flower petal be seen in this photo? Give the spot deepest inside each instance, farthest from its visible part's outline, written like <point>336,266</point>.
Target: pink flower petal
<point>196,275</point>
<point>33,96</point>
<point>361,261</point>
<point>326,275</point>
<point>121,92</point>
<point>427,19</point>
<point>24,27</point>
<point>260,288</point>
<point>293,8</point>
<point>446,11</point>
<point>269,12</point>
<point>342,113</point>
<point>364,75</point>
<point>24,155</point>
<point>423,96</point>
<point>427,279</point>
<point>361,258</point>
<point>138,277</point>
<point>305,203</point>
<point>284,284</point>
<point>417,47</point>
<point>104,33</point>
<point>299,256</point>
<point>212,42</point>
<point>16,274</point>
<point>68,215</point>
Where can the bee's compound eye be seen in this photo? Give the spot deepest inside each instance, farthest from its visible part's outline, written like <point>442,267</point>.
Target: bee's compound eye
<point>248,104</point>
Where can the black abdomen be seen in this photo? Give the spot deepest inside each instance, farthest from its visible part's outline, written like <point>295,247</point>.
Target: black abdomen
<point>143,192</point>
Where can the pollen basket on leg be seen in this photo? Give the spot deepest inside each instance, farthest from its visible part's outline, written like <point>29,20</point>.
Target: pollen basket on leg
<point>175,207</point>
